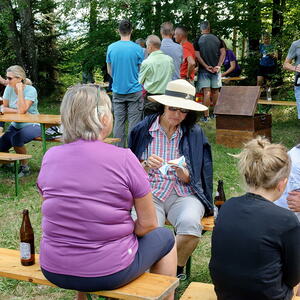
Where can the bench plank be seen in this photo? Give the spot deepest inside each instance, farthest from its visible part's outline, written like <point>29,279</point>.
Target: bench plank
<point>13,156</point>
<point>199,291</point>
<point>277,102</point>
<point>147,286</point>
<point>58,140</point>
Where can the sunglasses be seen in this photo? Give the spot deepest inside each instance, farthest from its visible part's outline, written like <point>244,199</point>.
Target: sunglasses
<point>183,110</point>
<point>10,78</point>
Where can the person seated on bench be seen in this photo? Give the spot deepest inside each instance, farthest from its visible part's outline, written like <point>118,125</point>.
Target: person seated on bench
<point>19,97</point>
<point>90,241</point>
<point>182,195</point>
<point>255,243</point>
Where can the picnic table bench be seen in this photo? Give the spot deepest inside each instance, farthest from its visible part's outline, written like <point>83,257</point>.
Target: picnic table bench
<point>204,291</point>
<point>147,286</point>
<point>15,158</point>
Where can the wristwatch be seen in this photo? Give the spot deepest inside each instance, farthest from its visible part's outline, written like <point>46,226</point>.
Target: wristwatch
<point>145,163</point>
<point>1,109</point>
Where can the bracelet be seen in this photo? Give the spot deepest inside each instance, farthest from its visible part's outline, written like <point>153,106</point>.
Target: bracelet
<point>1,109</point>
<point>145,164</point>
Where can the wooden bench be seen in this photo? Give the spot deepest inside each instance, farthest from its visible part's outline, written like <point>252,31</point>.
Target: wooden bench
<point>148,286</point>
<point>204,291</point>
<point>274,103</point>
<point>15,158</point>
<point>58,140</point>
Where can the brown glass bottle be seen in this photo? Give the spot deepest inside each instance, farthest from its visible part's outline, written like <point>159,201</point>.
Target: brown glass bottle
<point>220,197</point>
<point>26,241</point>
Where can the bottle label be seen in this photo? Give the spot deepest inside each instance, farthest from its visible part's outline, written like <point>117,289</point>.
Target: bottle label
<point>25,250</point>
<point>217,194</point>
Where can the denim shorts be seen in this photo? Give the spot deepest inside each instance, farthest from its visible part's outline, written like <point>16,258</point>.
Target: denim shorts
<point>209,80</point>
<point>152,247</point>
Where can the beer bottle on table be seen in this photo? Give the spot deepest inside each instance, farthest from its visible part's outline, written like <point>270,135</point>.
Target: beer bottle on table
<point>26,241</point>
<point>220,197</point>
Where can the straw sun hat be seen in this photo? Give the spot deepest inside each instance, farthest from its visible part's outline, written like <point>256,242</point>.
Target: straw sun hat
<point>179,93</point>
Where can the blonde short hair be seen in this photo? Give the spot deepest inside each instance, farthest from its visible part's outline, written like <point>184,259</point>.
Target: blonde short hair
<point>82,109</point>
<point>153,40</point>
<point>263,164</point>
<point>19,72</point>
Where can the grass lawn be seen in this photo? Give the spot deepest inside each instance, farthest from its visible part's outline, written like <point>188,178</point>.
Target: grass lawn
<point>285,130</point>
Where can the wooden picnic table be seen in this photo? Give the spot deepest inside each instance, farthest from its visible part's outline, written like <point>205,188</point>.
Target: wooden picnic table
<point>274,102</point>
<point>43,120</point>
<point>228,79</point>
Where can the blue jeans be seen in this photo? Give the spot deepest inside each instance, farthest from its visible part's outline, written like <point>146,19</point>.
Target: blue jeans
<point>129,106</point>
<point>297,95</point>
<point>14,137</point>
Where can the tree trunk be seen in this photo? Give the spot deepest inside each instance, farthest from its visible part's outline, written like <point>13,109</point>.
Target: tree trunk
<point>28,39</point>
<point>12,32</point>
<point>277,22</point>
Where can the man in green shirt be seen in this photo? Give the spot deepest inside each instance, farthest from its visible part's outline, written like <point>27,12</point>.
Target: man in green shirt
<point>156,71</point>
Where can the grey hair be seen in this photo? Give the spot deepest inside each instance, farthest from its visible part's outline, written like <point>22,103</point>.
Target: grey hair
<point>167,29</point>
<point>205,25</point>
<point>82,109</point>
<point>19,72</point>
<point>153,40</point>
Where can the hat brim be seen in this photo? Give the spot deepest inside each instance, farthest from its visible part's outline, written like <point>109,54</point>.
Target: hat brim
<point>178,102</point>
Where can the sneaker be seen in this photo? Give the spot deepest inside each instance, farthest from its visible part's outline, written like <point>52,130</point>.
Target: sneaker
<point>205,119</point>
<point>181,277</point>
<point>23,171</point>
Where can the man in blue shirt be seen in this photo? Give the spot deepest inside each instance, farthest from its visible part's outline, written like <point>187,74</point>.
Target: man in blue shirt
<point>169,47</point>
<point>123,61</point>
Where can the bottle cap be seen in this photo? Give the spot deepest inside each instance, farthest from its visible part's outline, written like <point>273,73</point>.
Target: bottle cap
<point>25,211</point>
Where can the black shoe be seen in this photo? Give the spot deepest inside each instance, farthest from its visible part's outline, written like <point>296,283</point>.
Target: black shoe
<point>182,277</point>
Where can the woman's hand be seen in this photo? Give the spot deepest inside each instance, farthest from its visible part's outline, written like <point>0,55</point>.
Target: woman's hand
<point>19,86</point>
<point>182,173</point>
<point>154,161</point>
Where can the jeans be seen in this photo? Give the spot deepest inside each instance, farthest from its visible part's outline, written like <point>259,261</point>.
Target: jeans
<point>297,95</point>
<point>126,106</point>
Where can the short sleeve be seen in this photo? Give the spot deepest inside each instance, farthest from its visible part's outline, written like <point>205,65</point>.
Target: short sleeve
<point>30,93</point>
<point>231,56</point>
<point>108,60</point>
<point>141,55</point>
<point>187,52</point>
<point>7,93</point>
<point>196,45</point>
<point>292,52</point>
<point>145,68</point>
<point>137,178</point>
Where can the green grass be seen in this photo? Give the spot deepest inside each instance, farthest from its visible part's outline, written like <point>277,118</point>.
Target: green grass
<point>285,130</point>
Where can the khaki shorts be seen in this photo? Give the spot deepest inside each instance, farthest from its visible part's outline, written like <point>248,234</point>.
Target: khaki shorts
<point>184,213</point>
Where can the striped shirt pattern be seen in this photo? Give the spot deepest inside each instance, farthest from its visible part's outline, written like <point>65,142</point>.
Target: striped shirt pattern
<point>162,185</point>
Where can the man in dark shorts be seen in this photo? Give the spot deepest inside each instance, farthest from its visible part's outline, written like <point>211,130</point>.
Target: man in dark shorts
<point>210,53</point>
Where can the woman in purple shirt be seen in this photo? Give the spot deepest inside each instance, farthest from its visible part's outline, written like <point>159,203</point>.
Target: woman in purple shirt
<point>90,241</point>
<point>231,66</point>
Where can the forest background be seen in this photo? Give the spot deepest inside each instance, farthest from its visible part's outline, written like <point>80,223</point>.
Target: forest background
<point>57,40</point>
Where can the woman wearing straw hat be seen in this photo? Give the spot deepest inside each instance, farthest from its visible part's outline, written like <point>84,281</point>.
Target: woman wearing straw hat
<point>182,194</point>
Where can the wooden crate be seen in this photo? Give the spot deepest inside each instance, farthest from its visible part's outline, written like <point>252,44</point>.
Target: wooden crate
<point>236,121</point>
<point>237,138</point>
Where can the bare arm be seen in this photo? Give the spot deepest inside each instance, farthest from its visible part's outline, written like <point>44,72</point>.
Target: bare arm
<point>287,65</point>
<point>146,216</point>
<point>3,81</point>
<point>191,66</point>
<point>293,201</point>
<point>108,65</point>
<point>232,67</point>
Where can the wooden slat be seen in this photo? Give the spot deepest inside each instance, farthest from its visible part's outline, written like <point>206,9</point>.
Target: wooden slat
<point>208,223</point>
<point>30,118</point>
<point>147,286</point>
<point>199,291</point>
<point>13,156</point>
<point>277,102</point>
<point>233,78</point>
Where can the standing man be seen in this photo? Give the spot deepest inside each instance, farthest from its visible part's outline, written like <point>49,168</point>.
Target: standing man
<point>187,69</point>
<point>169,47</point>
<point>123,60</point>
<point>294,54</point>
<point>156,72</point>
<point>210,53</point>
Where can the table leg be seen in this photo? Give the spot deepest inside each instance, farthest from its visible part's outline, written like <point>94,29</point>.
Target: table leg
<point>43,129</point>
<point>16,167</point>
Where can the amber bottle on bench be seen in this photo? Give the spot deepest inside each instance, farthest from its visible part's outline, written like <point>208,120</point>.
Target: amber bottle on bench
<point>26,241</point>
<point>220,197</point>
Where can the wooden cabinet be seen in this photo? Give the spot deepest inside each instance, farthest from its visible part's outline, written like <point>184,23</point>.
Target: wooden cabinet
<point>236,121</point>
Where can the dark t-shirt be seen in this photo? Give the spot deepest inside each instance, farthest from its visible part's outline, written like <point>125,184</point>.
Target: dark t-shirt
<point>255,250</point>
<point>209,47</point>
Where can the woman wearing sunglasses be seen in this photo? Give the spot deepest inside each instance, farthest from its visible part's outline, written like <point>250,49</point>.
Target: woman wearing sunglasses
<point>184,194</point>
<point>19,97</point>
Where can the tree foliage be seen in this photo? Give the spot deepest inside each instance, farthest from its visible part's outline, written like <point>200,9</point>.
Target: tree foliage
<point>56,39</point>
